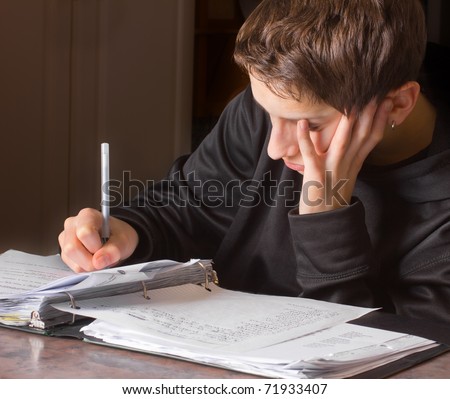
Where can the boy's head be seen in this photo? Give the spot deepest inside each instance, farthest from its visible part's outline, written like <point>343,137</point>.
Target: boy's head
<point>342,52</point>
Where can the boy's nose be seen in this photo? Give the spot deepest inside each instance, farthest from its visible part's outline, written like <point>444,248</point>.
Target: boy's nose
<point>283,141</point>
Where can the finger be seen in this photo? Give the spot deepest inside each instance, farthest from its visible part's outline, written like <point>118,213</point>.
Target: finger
<point>375,121</point>
<point>73,253</point>
<point>342,138</point>
<point>108,256</point>
<point>306,145</point>
<point>364,123</point>
<point>66,260</point>
<point>87,228</point>
<point>121,244</point>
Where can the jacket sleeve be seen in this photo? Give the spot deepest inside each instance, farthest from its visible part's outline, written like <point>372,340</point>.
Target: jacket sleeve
<point>334,256</point>
<point>183,216</point>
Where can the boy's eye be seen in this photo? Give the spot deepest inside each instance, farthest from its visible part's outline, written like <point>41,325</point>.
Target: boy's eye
<point>314,128</point>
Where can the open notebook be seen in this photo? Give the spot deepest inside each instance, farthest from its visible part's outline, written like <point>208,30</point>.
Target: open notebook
<point>31,284</point>
<point>178,310</point>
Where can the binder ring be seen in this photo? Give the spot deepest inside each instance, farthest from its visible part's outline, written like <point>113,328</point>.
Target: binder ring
<point>206,276</point>
<point>35,320</point>
<point>73,305</point>
<point>144,287</point>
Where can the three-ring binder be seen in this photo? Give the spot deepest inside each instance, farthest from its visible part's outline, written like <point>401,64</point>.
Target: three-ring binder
<point>200,272</point>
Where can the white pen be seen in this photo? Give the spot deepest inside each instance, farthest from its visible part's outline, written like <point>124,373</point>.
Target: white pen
<point>105,191</point>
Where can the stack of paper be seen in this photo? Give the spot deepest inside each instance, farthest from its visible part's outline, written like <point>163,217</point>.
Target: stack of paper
<point>29,284</point>
<point>258,334</point>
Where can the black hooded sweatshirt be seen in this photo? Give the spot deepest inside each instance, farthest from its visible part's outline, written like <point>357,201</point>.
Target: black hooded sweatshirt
<point>229,201</point>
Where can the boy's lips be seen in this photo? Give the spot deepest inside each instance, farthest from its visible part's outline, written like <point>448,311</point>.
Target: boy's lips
<point>296,167</point>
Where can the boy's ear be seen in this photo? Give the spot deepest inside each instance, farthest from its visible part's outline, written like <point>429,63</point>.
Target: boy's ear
<point>404,100</point>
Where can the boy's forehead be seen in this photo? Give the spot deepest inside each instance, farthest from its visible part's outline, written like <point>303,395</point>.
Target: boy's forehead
<point>288,108</point>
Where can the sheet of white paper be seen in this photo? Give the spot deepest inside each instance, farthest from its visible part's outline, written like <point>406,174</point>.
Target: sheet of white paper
<point>399,343</point>
<point>348,363</point>
<point>342,338</point>
<point>218,319</point>
<point>21,272</point>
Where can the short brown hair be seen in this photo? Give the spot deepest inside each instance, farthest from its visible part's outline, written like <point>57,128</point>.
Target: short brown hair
<point>342,52</point>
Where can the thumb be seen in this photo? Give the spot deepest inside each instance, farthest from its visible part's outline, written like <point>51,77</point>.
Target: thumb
<point>120,246</point>
<point>106,256</point>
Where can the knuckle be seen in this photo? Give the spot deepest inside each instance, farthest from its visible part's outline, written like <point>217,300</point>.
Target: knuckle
<point>87,213</point>
<point>68,223</point>
<point>85,232</point>
<point>69,250</point>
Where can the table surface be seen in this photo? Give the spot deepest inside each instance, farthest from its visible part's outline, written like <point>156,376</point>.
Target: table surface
<point>27,355</point>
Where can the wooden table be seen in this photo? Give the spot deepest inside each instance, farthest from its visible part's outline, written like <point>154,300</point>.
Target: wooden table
<point>27,355</point>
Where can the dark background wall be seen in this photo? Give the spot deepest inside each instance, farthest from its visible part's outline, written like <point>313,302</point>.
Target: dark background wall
<point>150,77</point>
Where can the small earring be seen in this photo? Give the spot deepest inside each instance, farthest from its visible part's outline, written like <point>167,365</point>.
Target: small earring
<point>393,125</point>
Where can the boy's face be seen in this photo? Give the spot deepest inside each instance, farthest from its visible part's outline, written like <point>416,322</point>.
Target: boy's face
<point>285,113</point>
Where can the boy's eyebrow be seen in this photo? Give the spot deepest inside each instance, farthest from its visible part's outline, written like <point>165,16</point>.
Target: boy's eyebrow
<point>260,105</point>
<point>314,120</point>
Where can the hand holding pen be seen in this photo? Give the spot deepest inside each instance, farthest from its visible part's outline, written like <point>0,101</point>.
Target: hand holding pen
<point>93,240</point>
